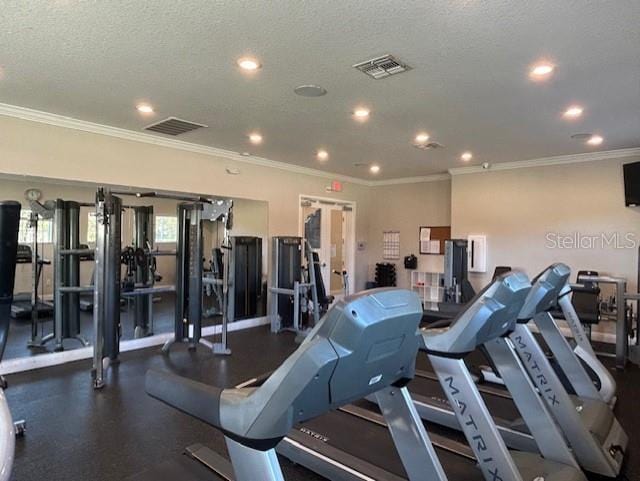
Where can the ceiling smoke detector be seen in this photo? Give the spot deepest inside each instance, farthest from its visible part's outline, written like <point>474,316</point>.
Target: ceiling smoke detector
<point>310,91</point>
<point>174,126</point>
<point>382,67</point>
<point>428,145</point>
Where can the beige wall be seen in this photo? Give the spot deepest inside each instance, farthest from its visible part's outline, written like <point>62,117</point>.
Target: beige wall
<point>404,208</point>
<point>518,208</point>
<point>14,189</point>
<point>38,149</point>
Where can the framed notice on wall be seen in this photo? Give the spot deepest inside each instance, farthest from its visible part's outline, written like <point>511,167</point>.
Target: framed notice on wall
<point>431,239</point>
<point>391,245</point>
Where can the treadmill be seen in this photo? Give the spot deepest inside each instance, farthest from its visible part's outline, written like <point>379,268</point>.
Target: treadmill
<point>340,445</point>
<point>21,307</point>
<point>597,438</point>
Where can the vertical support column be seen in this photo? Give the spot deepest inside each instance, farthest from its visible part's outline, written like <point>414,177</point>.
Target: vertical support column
<point>195,272</point>
<point>102,218</point>
<point>622,334</point>
<point>586,448</point>
<point>251,464</point>
<point>142,239</point>
<point>36,270</point>
<point>532,408</point>
<point>475,420</point>
<point>71,322</point>
<point>9,226</point>
<point>412,442</point>
<point>312,280</point>
<point>221,348</point>
<point>59,274</point>
<point>235,285</point>
<point>566,358</point>
<point>181,262</point>
<point>106,292</point>
<point>584,350</point>
<point>276,323</point>
<point>113,248</point>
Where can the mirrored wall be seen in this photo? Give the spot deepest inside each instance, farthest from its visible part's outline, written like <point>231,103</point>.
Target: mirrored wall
<point>152,260</point>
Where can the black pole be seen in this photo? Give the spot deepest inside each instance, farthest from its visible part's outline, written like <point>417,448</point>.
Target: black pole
<point>9,225</point>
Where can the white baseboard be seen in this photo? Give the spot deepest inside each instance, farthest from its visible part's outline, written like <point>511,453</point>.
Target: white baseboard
<point>39,361</point>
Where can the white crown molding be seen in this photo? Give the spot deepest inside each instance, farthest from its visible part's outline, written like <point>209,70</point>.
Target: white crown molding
<point>32,115</point>
<point>546,161</point>
<point>410,180</point>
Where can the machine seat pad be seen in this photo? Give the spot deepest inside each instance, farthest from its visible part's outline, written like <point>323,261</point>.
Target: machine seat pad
<point>197,399</point>
<point>533,466</point>
<point>596,416</point>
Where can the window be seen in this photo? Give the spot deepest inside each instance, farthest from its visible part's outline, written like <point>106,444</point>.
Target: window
<point>166,228</point>
<point>91,228</point>
<point>25,233</point>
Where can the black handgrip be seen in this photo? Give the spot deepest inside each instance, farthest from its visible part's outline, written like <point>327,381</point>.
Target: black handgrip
<point>197,399</point>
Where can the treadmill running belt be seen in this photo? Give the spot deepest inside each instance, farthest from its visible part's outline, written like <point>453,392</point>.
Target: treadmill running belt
<point>373,443</point>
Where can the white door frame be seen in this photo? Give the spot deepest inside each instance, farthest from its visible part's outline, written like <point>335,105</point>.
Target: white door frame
<point>349,235</point>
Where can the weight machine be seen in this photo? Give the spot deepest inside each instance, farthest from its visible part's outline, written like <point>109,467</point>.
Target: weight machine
<point>108,291</point>
<point>67,255</point>
<point>190,276</point>
<point>292,289</point>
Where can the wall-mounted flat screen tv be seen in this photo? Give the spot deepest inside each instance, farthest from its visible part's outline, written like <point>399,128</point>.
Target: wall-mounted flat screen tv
<point>632,184</point>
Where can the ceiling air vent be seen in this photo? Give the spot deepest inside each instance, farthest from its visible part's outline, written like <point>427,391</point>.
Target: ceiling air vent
<point>429,146</point>
<point>382,67</point>
<point>174,126</point>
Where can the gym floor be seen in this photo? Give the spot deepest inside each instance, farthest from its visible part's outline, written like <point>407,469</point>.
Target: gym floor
<point>163,322</point>
<point>76,433</point>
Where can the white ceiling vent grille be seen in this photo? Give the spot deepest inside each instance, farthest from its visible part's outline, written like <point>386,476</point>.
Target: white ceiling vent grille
<point>429,146</point>
<point>174,126</point>
<point>382,67</point>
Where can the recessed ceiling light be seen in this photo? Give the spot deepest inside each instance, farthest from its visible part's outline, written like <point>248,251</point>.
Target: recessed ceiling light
<point>595,140</point>
<point>422,137</point>
<point>466,156</point>
<point>361,113</point>
<point>310,91</point>
<point>249,64</point>
<point>144,108</point>
<point>573,112</point>
<point>255,138</point>
<point>541,70</point>
<point>374,169</point>
<point>322,155</point>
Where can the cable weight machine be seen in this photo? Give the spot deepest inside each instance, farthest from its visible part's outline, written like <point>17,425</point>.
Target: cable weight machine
<point>190,276</point>
<point>192,211</point>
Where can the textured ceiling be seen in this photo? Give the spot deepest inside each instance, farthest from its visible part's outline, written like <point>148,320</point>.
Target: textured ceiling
<point>94,60</point>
